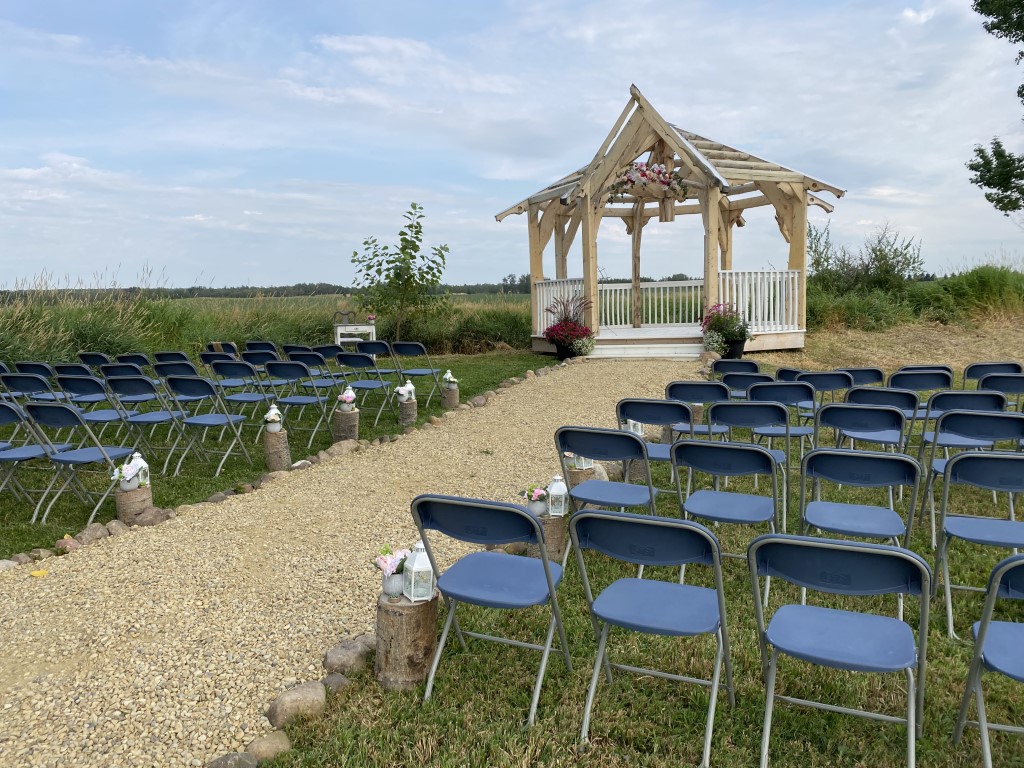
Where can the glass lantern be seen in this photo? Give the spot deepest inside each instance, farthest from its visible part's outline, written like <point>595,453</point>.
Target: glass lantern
<point>418,576</point>
<point>558,497</point>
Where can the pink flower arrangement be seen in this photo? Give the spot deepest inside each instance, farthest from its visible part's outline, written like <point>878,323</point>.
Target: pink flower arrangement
<point>391,562</point>
<point>370,318</point>
<point>535,493</point>
<point>639,175</point>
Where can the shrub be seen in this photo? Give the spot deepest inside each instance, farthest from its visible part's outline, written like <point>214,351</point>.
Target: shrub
<point>725,320</point>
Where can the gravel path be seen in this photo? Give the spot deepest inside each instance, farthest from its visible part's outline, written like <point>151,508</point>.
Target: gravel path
<point>165,646</point>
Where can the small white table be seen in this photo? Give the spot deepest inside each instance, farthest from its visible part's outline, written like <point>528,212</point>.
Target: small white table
<point>343,332</point>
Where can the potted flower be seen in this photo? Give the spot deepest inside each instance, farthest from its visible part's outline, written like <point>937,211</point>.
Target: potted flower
<point>391,564</point>
<point>273,419</point>
<point>347,399</point>
<point>536,499</point>
<point>642,180</point>
<point>133,474</point>
<point>568,333</point>
<point>371,319</point>
<point>450,382</point>
<point>726,321</point>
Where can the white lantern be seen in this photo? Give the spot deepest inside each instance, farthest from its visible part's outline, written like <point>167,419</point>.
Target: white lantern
<point>418,576</point>
<point>558,497</point>
<point>410,389</point>
<point>636,427</point>
<point>582,462</point>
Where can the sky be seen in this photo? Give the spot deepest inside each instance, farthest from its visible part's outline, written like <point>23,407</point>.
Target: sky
<point>260,142</point>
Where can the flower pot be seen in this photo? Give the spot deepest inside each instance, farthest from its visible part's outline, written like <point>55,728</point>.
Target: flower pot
<point>346,407</point>
<point>563,351</point>
<point>538,508</point>
<point>274,426</point>
<point>734,349</point>
<point>392,586</point>
<point>130,485</point>
<point>451,385</point>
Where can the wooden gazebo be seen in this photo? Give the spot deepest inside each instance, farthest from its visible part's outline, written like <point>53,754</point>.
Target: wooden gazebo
<point>712,179</point>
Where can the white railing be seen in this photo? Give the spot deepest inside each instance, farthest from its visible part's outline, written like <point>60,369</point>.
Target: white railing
<point>768,299</point>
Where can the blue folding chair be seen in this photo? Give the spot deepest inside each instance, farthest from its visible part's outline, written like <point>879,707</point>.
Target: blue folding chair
<point>723,366</point>
<point>227,347</point>
<point>882,425</point>
<point>1009,384</point>
<point>667,414</point>
<point>997,646</point>
<point>379,349</point>
<point>260,346</point>
<point>45,370</point>
<point>365,377</point>
<point>788,374</point>
<point>913,367</point>
<point>739,383</point>
<point>68,463</point>
<point>790,394</point>
<point>977,371</point>
<point>297,380</point>
<point>241,387</point>
<point>136,358</point>
<point>839,638</point>
<point>907,400</point>
<point>171,356</point>
<point>218,417</point>
<point>992,471</point>
<point>90,394</point>
<point>827,385</point>
<point>131,394</point>
<point>650,606</point>
<point>413,349</point>
<point>921,381</point>
<point>701,393</point>
<point>877,470</point>
<point>94,359</point>
<point>30,446</point>
<point>865,376</point>
<point>73,369</point>
<point>32,386</point>
<point>491,579</point>
<point>607,445</point>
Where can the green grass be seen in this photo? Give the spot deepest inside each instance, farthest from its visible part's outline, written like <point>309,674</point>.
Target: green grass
<point>476,374</point>
<point>482,694</point>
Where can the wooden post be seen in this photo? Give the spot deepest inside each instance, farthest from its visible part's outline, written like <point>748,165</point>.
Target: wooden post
<point>638,229</point>
<point>561,247</point>
<point>450,398</point>
<point>276,451</point>
<point>407,413</point>
<point>536,262</point>
<point>798,250</point>
<point>130,504</point>
<point>588,224</point>
<point>345,425</point>
<point>711,215</point>
<point>406,640</point>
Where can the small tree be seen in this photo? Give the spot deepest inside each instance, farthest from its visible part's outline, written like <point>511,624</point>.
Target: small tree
<point>398,281</point>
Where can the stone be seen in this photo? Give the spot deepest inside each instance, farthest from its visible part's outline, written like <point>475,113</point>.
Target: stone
<point>244,488</point>
<point>543,371</point>
<point>234,760</point>
<point>347,656</point>
<point>435,420</point>
<point>506,384</point>
<point>306,700</point>
<point>272,476</point>
<point>708,357</point>
<point>63,546</point>
<point>530,374</point>
<point>321,457</point>
<point>302,464</point>
<point>270,746</point>
<point>516,548</point>
<point>152,516</point>
<point>478,402</point>
<point>92,533</point>
<point>216,498</point>
<point>465,407</point>
<point>6,565</point>
<point>343,448</point>
<point>22,559</point>
<point>489,393</point>
<point>364,443</point>
<point>229,492</point>
<point>384,439</point>
<point>116,528</point>
<point>335,681</point>
<point>612,470</point>
<point>40,553</point>
<point>410,430</point>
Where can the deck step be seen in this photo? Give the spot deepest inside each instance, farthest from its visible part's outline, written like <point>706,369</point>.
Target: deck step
<point>672,351</point>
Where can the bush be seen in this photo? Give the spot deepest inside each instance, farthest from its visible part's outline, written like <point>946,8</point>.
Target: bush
<point>872,311</point>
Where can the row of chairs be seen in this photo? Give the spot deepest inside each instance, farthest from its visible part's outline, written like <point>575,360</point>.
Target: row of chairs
<point>836,638</point>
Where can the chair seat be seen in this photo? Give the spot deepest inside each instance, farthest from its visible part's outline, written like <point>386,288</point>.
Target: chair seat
<point>986,530</point>
<point>857,642</point>
<point>1001,653</point>
<point>231,383</point>
<point>106,415</point>
<point>301,400</point>
<point>855,519</point>
<point>949,440</point>
<point>658,452</point>
<point>659,607</point>
<point>213,420</point>
<point>729,507</point>
<point>247,397</point>
<point>88,399</point>
<point>29,452</point>
<point>498,580</point>
<point>368,384</point>
<point>90,455</point>
<point>921,413</point>
<point>781,431</point>
<point>608,493</point>
<point>880,436</point>
<point>420,371</point>
<point>330,383</point>
<point>157,417</point>
<point>701,429</point>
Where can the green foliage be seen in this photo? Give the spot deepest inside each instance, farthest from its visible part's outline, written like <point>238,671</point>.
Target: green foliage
<point>725,320</point>
<point>714,342</point>
<point>984,290</point>
<point>872,311</point>
<point>885,262</point>
<point>397,281</point>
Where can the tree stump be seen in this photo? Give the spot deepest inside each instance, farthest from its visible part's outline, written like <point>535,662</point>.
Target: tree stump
<point>450,398</point>
<point>131,504</point>
<point>555,533</point>
<point>407,413</point>
<point>575,477</point>
<point>406,641</point>
<point>345,425</point>
<point>276,451</point>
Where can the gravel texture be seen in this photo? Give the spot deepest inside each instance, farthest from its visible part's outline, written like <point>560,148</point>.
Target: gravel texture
<point>165,646</point>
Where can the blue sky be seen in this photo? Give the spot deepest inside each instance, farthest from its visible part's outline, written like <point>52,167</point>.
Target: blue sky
<point>260,142</point>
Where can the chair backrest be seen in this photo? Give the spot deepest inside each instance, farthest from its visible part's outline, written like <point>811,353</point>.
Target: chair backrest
<point>854,417</point>
<point>37,368</point>
<point>698,392</point>
<point>649,411</point>
<point>993,471</point>
<point>81,385</point>
<point>921,380</point>
<point>260,346</point>
<point>968,400</point>
<point>995,426</point>
<point>722,459</point>
<point>474,520</point>
<point>1007,383</point>
<point>119,370</point>
<point>287,349</point>
<point>131,386</point>
<point>356,360</point>
<point>209,356</point>
<point>94,359</point>
<point>408,349</point>
<point>827,381</point>
<point>235,369</point>
<point>600,444</point>
<point>178,368</point>
<point>788,374</point>
<point>373,347</point>
<point>289,370</point>
<point>977,371</point>
<point>1006,582</point>
<point>171,356</point>
<point>26,383</point>
<point>72,369</point>
<point>747,415</point>
<point>137,358</point>
<point>741,381</point>
<point>54,415</point>
<point>310,359</point>
<point>862,469</point>
<point>259,356</point>
<point>865,376</point>
<point>719,367</point>
<point>329,351</point>
<point>785,392</point>
<point>191,386</point>
<point>904,399</point>
<point>927,367</point>
<point>644,539</point>
<point>227,347</point>
<point>10,414</point>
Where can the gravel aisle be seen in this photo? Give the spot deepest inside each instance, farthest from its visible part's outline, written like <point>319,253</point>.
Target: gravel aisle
<point>165,646</point>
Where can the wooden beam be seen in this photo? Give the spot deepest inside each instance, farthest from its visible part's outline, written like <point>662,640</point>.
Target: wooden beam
<point>749,202</point>
<point>680,146</point>
<point>599,171</point>
<point>798,254</point>
<point>783,207</point>
<point>744,174</point>
<point>727,166</point>
<point>638,230</point>
<point>589,223</point>
<point>712,214</point>
<point>547,221</point>
<point>536,259</point>
<point>561,249</point>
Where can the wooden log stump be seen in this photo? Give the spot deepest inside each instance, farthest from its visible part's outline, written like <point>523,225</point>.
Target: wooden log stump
<point>407,413</point>
<point>131,504</point>
<point>556,531</point>
<point>345,425</point>
<point>450,398</point>
<point>406,641</point>
<point>276,451</point>
<point>574,478</point>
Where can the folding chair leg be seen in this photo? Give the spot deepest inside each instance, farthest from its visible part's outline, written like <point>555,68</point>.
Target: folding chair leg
<point>100,503</point>
<point>542,670</point>
<point>709,723</point>
<point>946,587</point>
<point>440,650</point>
<point>769,705</point>
<point>911,722</point>
<point>986,747</point>
<point>601,646</point>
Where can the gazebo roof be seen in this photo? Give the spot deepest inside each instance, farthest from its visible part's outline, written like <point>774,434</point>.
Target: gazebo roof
<point>745,180</point>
